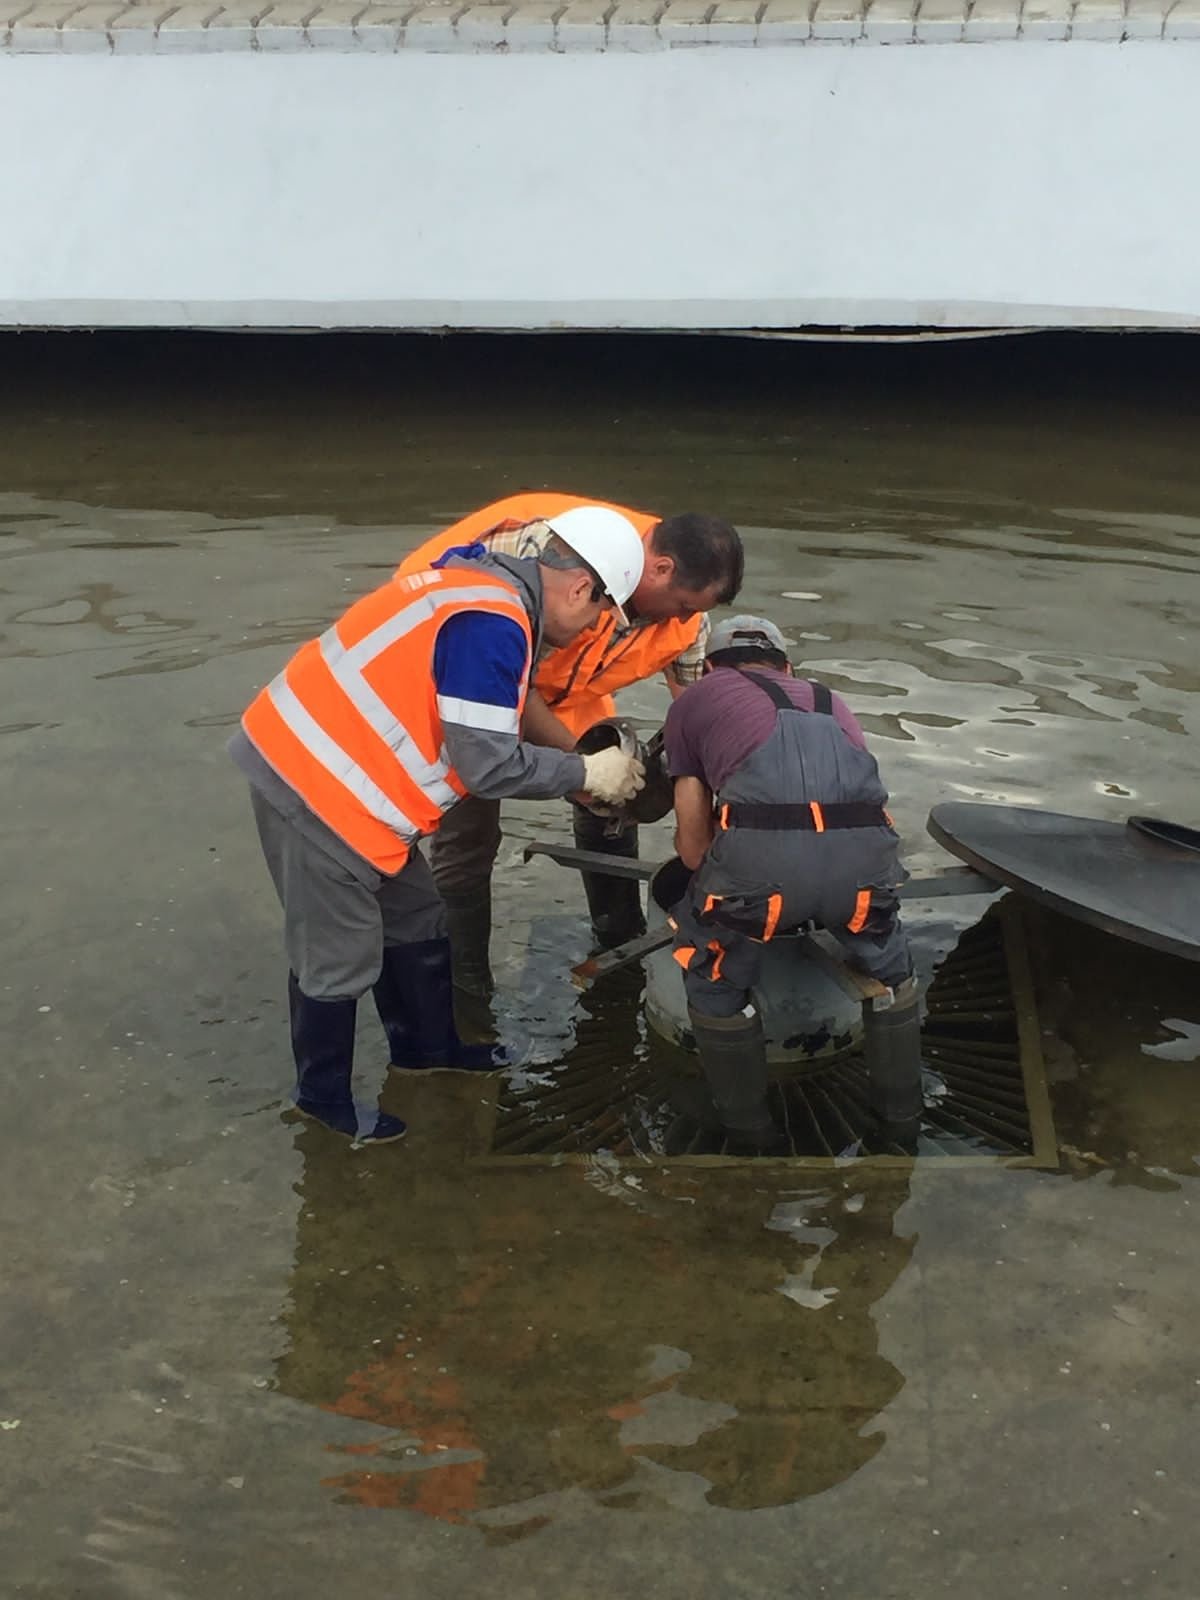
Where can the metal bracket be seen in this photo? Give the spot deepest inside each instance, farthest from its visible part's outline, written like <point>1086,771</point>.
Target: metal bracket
<point>594,861</point>
<point>621,955</point>
<point>823,949</point>
<point>945,882</point>
<point>937,885</point>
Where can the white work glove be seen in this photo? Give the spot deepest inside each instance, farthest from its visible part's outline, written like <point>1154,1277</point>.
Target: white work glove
<point>612,776</point>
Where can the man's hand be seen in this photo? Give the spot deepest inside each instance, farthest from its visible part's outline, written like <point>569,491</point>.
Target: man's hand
<point>613,777</point>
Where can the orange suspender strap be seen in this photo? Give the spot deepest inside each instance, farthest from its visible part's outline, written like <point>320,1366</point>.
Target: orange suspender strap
<point>684,955</point>
<point>818,816</point>
<point>718,958</point>
<point>862,905</point>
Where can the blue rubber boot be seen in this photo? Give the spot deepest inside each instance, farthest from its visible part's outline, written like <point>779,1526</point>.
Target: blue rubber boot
<point>388,994</point>
<point>323,1045</point>
<point>415,1000</point>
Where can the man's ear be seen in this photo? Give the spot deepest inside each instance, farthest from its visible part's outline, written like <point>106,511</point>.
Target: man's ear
<point>789,669</point>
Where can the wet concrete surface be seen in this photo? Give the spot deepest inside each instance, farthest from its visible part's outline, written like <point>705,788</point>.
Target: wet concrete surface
<point>240,1358</point>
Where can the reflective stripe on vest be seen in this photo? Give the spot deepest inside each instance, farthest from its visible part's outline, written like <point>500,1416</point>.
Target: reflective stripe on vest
<point>353,723</point>
<point>577,680</point>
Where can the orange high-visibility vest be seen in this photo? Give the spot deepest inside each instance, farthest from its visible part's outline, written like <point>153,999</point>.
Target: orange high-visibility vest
<point>353,723</point>
<point>579,679</point>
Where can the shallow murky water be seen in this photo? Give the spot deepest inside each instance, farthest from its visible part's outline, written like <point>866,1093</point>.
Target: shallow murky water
<point>241,1359</point>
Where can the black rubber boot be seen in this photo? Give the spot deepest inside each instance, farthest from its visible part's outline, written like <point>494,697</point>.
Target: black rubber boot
<point>695,1128</point>
<point>614,904</point>
<point>892,1047</point>
<point>469,925</point>
<point>733,1053</point>
<point>417,1010</point>
<point>323,1045</point>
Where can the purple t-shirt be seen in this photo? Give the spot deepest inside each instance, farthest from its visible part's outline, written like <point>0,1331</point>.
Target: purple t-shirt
<point>718,723</point>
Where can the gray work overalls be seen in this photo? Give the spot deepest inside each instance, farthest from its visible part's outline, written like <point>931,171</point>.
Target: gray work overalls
<point>803,837</point>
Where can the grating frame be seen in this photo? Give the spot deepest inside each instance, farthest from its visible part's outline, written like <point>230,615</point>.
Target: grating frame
<point>987,1099</point>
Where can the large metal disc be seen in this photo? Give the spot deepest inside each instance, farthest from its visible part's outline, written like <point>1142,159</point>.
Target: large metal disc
<point>1130,882</point>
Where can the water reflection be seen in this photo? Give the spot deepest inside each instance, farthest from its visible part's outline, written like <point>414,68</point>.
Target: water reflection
<point>656,1340</point>
<point>655,1337</point>
<point>1121,1028</point>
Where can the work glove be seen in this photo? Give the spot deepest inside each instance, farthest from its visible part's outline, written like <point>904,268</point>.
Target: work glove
<point>613,776</point>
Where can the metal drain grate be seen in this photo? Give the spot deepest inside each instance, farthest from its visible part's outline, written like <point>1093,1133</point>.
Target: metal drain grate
<point>986,1084</point>
<point>986,1094</point>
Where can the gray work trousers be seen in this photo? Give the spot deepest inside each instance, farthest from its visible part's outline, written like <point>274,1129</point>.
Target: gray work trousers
<point>818,878</point>
<point>465,847</point>
<point>335,925</point>
<point>467,843</point>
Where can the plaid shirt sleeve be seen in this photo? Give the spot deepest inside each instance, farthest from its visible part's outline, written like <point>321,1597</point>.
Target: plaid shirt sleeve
<point>689,666</point>
<point>522,542</point>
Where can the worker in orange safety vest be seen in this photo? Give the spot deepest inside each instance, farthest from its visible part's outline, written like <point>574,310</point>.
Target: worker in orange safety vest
<point>368,739</point>
<point>692,563</point>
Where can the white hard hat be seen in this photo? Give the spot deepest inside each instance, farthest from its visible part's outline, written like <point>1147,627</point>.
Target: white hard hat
<point>611,546</point>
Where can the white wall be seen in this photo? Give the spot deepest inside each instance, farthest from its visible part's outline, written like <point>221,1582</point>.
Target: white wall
<point>1019,183</point>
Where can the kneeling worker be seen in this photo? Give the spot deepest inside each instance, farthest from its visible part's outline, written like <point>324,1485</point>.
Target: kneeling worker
<point>367,739</point>
<point>780,814</point>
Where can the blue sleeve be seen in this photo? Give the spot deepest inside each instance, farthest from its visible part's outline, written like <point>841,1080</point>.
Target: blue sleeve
<point>479,662</point>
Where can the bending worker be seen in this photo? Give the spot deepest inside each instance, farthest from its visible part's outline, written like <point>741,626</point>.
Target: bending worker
<point>779,812</point>
<point>692,563</point>
<point>368,739</point>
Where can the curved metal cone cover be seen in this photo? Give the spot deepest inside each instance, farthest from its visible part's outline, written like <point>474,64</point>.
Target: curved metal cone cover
<point>1138,880</point>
